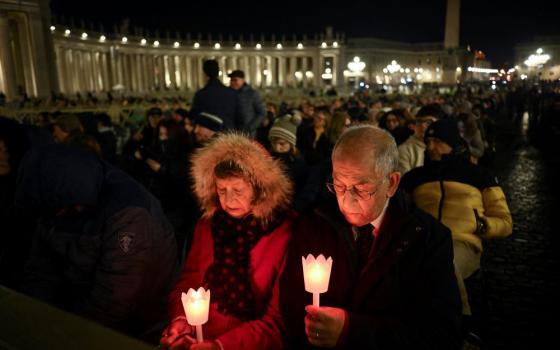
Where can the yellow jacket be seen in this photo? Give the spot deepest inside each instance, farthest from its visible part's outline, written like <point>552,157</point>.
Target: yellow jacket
<point>455,192</point>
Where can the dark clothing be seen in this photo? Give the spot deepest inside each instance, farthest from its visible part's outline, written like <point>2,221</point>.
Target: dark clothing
<point>111,261</point>
<point>406,296</point>
<point>251,110</point>
<point>218,100</point>
<point>108,142</point>
<point>297,170</point>
<point>313,152</point>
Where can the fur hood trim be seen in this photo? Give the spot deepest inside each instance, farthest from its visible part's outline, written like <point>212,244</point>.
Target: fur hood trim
<point>262,171</point>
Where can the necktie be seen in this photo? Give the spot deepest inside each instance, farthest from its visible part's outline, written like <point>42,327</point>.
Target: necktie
<point>364,242</point>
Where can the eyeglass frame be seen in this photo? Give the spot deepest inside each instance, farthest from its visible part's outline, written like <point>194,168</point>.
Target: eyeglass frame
<point>353,190</point>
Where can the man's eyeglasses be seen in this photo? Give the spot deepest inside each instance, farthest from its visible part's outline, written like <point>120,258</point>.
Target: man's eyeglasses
<point>341,190</point>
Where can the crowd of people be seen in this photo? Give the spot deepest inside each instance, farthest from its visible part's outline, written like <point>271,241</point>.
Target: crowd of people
<point>114,219</point>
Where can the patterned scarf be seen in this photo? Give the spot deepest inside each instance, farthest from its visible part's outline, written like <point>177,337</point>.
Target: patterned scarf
<point>228,276</point>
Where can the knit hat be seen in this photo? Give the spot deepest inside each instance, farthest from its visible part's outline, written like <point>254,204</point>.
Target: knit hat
<point>209,121</point>
<point>285,128</point>
<point>446,130</point>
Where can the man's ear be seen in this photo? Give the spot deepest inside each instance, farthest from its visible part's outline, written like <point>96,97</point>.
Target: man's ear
<point>394,180</point>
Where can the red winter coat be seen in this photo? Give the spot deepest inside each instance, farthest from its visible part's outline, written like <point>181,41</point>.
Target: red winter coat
<point>266,265</point>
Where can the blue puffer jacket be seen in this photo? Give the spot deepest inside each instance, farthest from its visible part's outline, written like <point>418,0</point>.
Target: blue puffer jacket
<point>103,248</point>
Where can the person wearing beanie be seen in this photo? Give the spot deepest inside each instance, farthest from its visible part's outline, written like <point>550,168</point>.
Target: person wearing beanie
<point>216,98</point>
<point>282,136</point>
<point>251,105</point>
<point>206,126</point>
<point>463,196</point>
<point>411,152</point>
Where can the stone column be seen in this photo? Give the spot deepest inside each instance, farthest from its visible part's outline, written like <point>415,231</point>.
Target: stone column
<point>304,70</point>
<point>23,45</point>
<point>61,65</point>
<point>6,59</point>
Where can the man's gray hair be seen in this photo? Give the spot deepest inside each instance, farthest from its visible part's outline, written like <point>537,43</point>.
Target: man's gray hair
<point>366,139</point>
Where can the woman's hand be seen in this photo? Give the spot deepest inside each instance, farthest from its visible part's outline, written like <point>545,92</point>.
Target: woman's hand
<point>173,336</point>
<point>155,166</point>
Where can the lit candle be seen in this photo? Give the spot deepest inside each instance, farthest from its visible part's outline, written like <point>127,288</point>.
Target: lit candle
<point>196,305</point>
<point>316,275</point>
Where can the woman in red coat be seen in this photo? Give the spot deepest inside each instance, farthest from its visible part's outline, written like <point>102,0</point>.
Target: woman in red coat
<point>238,248</point>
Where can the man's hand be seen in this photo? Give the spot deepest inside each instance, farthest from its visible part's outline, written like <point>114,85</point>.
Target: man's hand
<point>173,336</point>
<point>323,325</point>
<point>155,166</point>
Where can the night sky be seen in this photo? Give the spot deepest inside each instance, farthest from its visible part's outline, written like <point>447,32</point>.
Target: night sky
<point>493,26</point>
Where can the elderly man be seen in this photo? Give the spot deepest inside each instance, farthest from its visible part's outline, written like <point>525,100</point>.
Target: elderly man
<point>251,106</point>
<point>392,284</point>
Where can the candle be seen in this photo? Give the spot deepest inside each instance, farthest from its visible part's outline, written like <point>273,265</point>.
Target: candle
<point>316,275</point>
<point>196,305</point>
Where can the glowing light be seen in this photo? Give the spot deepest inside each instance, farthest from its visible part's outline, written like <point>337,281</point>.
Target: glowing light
<point>102,38</point>
<point>328,70</point>
<point>124,40</point>
<point>196,45</point>
<point>316,274</point>
<point>299,75</point>
<point>52,28</point>
<point>143,42</point>
<point>238,46</point>
<point>309,74</point>
<point>156,43</point>
<point>300,46</point>
<point>67,32</point>
<point>176,44</point>
<point>539,51</point>
<point>407,70</point>
<point>266,72</point>
<point>415,70</point>
<point>458,69</point>
<point>279,46</point>
<point>258,46</point>
<point>84,36</point>
<point>523,76</point>
<point>538,59</point>
<point>356,65</point>
<point>323,44</point>
<point>482,70</point>
<point>394,67</point>
<point>335,44</point>
<point>197,306</point>
<point>217,46</point>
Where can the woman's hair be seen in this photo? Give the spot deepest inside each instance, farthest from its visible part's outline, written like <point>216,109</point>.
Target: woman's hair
<point>338,122</point>
<point>228,168</point>
<point>469,121</point>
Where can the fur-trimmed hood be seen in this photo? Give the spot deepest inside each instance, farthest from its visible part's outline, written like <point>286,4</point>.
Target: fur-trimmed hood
<point>263,172</point>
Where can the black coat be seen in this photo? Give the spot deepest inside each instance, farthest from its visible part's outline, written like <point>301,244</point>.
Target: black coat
<point>114,261</point>
<point>217,99</point>
<point>405,298</point>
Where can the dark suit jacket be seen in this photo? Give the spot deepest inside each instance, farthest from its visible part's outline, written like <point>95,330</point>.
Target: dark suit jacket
<point>406,297</point>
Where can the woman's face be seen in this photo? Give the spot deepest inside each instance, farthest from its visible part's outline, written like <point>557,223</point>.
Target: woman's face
<point>392,122</point>
<point>280,145</point>
<point>163,134</point>
<point>236,196</point>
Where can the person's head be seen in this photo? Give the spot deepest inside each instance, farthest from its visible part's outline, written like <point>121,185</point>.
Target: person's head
<point>363,181</point>
<point>283,134</point>
<point>237,79</point>
<point>211,69</point>
<point>237,175</point>
<point>154,116</point>
<point>321,118</point>
<point>425,117</point>
<point>103,120</point>
<point>308,109</point>
<point>442,138</point>
<point>392,120</point>
<point>206,126</point>
<point>66,126</point>
<point>180,115</point>
<point>339,123</point>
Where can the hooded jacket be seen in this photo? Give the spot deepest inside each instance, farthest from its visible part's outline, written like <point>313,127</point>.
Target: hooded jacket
<point>459,194</point>
<point>103,248</point>
<point>266,257</point>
